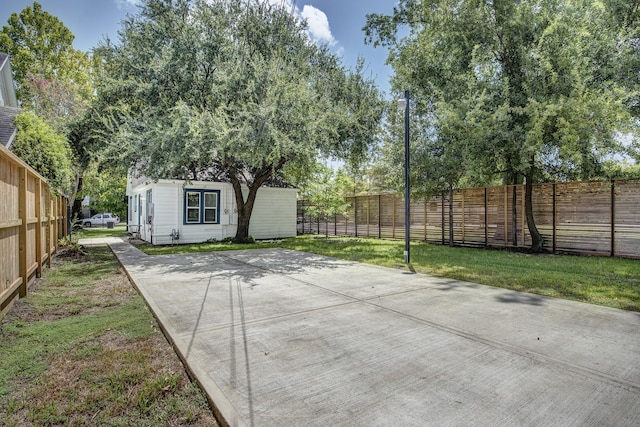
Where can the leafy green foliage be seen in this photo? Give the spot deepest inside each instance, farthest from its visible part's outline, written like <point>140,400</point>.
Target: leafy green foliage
<point>59,102</point>
<point>517,91</point>
<point>54,80</point>
<point>41,49</point>
<point>44,150</point>
<point>325,190</point>
<point>231,87</point>
<point>622,170</point>
<point>106,189</point>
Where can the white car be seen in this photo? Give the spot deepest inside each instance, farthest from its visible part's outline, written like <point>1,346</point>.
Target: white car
<point>100,219</point>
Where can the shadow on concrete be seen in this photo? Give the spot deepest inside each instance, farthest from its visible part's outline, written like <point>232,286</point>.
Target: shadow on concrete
<point>448,285</point>
<point>247,265</point>
<point>199,319</point>
<point>521,298</point>
<point>245,346</point>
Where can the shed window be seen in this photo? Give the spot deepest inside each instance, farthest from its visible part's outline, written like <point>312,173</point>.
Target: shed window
<point>201,206</point>
<point>210,207</point>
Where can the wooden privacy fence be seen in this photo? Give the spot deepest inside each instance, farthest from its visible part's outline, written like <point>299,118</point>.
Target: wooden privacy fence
<point>32,219</point>
<point>599,218</point>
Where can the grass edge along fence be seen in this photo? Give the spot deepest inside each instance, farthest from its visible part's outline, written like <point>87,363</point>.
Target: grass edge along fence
<point>591,217</point>
<point>32,219</point>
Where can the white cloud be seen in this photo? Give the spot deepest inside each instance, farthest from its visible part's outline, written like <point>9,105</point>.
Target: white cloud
<point>318,23</point>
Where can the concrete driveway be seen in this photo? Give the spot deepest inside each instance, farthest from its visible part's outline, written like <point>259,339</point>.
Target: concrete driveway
<point>284,338</point>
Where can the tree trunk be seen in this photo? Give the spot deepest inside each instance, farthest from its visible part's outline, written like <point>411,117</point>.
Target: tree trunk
<point>76,207</point>
<point>245,207</point>
<point>242,233</point>
<point>537,241</point>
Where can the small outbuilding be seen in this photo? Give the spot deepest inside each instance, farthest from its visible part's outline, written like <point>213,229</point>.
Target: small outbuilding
<point>172,211</point>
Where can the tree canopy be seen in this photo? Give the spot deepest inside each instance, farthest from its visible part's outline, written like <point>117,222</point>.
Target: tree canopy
<point>525,91</point>
<point>41,49</point>
<point>236,88</point>
<point>53,83</point>
<point>44,149</point>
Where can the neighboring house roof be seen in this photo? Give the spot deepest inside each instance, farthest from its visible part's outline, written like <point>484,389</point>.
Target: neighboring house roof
<point>8,128</point>
<point>8,103</point>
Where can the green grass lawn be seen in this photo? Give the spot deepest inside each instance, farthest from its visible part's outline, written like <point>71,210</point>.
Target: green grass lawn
<point>89,232</point>
<point>612,282</point>
<point>83,349</point>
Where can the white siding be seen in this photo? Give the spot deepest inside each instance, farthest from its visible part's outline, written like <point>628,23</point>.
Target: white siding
<point>167,199</point>
<point>274,213</point>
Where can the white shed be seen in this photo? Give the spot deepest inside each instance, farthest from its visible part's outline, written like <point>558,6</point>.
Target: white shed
<point>175,211</point>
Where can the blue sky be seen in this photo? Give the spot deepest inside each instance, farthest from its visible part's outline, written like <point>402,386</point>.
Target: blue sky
<point>336,22</point>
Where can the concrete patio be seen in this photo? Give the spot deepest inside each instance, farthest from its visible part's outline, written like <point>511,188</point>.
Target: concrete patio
<point>284,338</point>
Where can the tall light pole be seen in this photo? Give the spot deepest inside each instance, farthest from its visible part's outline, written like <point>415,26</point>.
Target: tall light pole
<point>403,105</point>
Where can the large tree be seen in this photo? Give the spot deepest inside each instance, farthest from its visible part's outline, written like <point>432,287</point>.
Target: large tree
<point>236,88</point>
<point>42,53</point>
<point>543,85</point>
<point>53,78</point>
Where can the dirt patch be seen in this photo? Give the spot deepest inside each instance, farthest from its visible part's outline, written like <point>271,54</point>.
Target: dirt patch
<point>76,252</point>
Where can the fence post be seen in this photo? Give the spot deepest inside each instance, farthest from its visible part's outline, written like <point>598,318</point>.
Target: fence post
<point>425,219</point>
<point>462,210</point>
<point>486,226</point>
<point>368,215</point>
<point>54,215</point>
<point>553,219</point>
<point>346,225</point>
<point>613,218</point>
<point>22,236</point>
<point>523,217</point>
<point>39,227</point>
<point>326,226</point>
<point>379,216</point>
<point>506,215</point>
<point>442,209</point>
<point>63,216</point>
<point>393,219</point>
<point>355,214</point>
<point>49,226</point>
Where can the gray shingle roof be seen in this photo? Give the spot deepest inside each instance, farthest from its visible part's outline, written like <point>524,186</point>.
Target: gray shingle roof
<point>7,125</point>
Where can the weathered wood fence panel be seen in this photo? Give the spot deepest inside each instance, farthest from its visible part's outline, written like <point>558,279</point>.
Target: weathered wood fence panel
<point>625,235</point>
<point>31,222</point>
<point>600,218</point>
